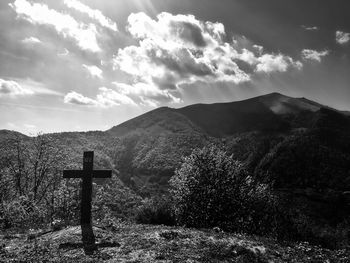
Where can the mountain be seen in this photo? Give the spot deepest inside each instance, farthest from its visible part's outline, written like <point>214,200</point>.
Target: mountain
<point>148,148</point>
<point>151,145</point>
<point>264,113</point>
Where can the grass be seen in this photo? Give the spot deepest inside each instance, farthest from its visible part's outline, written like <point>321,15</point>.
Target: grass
<point>145,243</point>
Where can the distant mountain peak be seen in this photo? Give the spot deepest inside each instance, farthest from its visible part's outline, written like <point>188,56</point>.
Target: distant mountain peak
<point>274,94</point>
<point>262,113</point>
<point>281,104</point>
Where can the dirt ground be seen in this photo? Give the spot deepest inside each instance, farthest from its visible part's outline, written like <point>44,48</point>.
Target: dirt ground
<point>144,243</point>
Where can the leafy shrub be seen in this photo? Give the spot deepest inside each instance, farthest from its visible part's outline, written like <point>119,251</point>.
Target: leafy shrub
<point>210,189</point>
<point>156,211</point>
<point>113,199</point>
<point>21,213</point>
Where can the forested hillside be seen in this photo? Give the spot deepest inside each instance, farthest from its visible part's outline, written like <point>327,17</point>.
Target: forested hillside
<point>296,148</point>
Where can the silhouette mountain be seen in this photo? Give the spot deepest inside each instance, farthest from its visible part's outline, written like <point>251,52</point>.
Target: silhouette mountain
<point>271,112</point>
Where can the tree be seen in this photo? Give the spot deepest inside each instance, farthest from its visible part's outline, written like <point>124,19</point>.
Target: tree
<point>13,166</point>
<point>210,189</point>
<point>30,175</point>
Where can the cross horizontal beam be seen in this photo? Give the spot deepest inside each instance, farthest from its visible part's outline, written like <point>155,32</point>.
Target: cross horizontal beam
<point>81,173</point>
<point>102,174</point>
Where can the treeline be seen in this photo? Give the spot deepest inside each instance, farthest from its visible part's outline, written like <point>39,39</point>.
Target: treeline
<point>34,194</point>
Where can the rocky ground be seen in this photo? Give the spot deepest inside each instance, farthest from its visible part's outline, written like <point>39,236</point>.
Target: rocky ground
<point>145,243</point>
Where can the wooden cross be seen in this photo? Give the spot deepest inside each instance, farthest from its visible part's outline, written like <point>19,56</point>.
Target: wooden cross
<point>87,174</point>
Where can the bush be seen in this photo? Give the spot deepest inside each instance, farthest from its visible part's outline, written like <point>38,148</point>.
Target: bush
<point>156,211</point>
<point>21,213</point>
<point>210,189</point>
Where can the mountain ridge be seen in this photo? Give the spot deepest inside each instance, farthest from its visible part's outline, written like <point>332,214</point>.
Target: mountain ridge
<point>272,101</point>
<point>148,148</point>
<point>266,113</point>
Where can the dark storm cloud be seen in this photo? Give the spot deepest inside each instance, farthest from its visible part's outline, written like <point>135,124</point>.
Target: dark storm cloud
<point>179,61</point>
<point>166,82</point>
<point>188,32</point>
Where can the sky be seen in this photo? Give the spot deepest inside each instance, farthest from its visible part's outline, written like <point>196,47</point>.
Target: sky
<point>69,65</point>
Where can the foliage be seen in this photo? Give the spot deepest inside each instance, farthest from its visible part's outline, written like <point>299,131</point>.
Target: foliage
<point>156,211</point>
<point>30,173</point>
<point>33,192</point>
<point>315,163</point>
<point>114,200</point>
<point>21,212</point>
<point>66,202</point>
<point>210,189</point>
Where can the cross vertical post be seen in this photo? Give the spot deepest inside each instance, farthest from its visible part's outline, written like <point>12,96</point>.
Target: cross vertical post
<point>88,236</point>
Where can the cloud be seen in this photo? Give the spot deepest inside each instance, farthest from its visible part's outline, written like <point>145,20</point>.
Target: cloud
<point>105,98</point>
<point>275,63</point>
<point>92,13</point>
<point>175,50</point>
<point>108,97</point>
<point>37,87</point>
<point>12,88</point>
<point>77,98</point>
<point>309,54</point>
<point>94,71</point>
<point>31,40</point>
<point>18,86</point>
<point>179,49</point>
<point>84,35</point>
<point>310,28</point>
<point>146,94</point>
<point>342,37</point>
